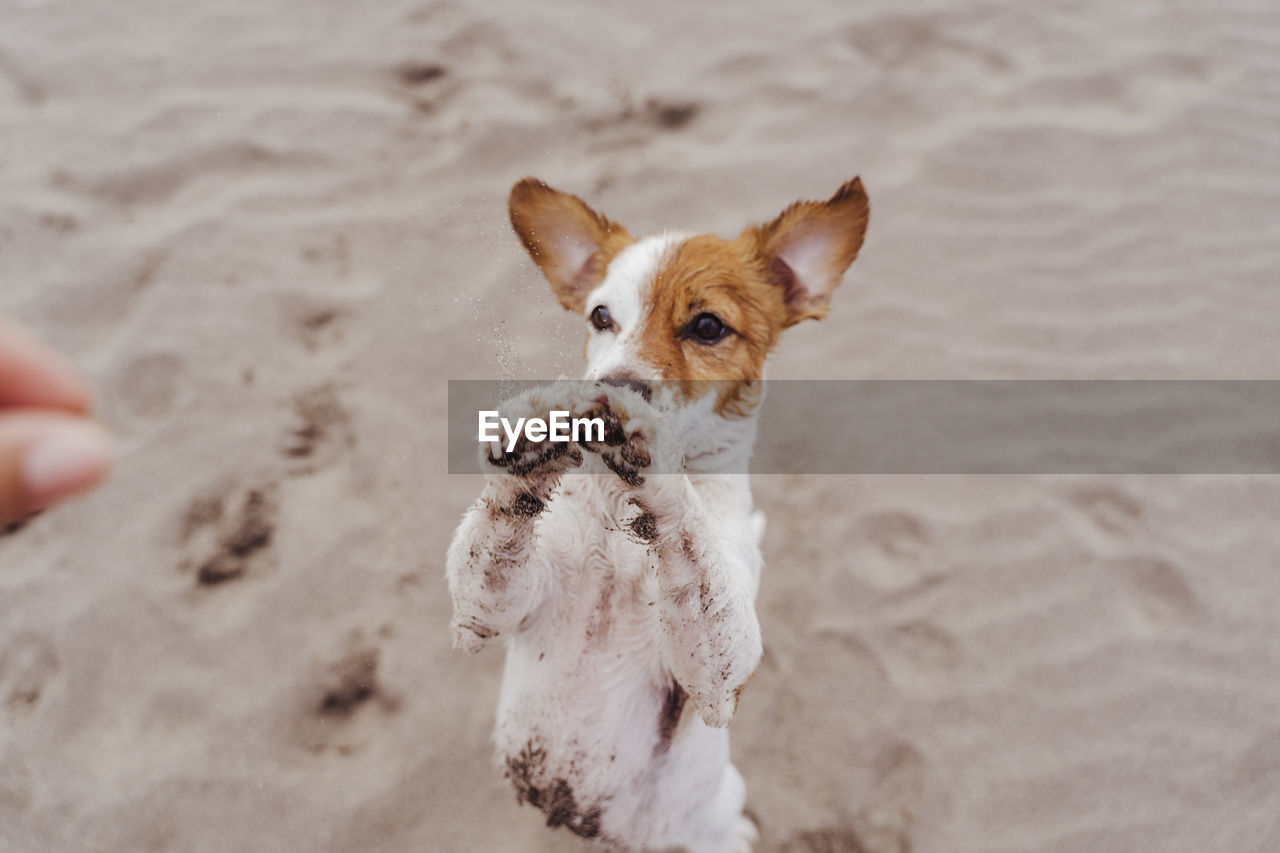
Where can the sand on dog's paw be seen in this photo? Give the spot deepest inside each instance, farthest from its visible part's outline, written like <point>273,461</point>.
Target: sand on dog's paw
<point>148,386</point>
<point>344,691</point>
<point>27,665</point>
<point>637,441</point>
<point>323,431</point>
<point>541,463</point>
<point>228,539</point>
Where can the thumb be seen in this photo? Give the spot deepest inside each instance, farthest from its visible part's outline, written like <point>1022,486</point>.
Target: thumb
<point>46,457</point>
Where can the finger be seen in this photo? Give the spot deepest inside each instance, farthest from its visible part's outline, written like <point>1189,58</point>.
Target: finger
<point>46,457</point>
<point>32,375</point>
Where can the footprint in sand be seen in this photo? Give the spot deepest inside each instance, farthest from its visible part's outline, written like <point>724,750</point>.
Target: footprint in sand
<point>317,326</point>
<point>228,537</point>
<point>159,180</point>
<point>918,654</point>
<point>920,43</point>
<point>840,839</point>
<point>27,665</point>
<point>1158,590</point>
<point>884,824</point>
<point>627,125</point>
<point>322,434</point>
<point>62,223</point>
<point>900,535</point>
<point>331,253</point>
<point>416,73</point>
<point>845,652</point>
<point>893,550</point>
<point>1109,509</point>
<point>322,328</point>
<point>670,115</point>
<point>110,296</point>
<point>418,83</point>
<point>21,79</point>
<point>342,693</point>
<point>226,533</point>
<point>899,772</point>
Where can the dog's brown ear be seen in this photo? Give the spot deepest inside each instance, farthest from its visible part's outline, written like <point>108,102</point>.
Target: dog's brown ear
<point>807,249</point>
<point>570,242</point>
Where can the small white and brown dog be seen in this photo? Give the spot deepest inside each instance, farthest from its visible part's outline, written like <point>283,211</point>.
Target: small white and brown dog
<point>627,599</point>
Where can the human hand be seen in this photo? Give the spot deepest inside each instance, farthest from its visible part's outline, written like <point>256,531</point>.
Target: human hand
<point>49,449</point>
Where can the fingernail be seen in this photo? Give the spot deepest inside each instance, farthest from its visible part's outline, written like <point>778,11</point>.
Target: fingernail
<point>67,459</point>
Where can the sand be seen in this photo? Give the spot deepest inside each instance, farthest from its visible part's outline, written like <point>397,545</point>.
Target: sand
<point>269,233</point>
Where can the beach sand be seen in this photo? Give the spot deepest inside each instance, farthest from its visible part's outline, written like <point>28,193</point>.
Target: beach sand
<point>269,233</point>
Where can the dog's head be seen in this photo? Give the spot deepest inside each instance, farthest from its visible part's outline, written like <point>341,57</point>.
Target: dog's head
<point>683,308</point>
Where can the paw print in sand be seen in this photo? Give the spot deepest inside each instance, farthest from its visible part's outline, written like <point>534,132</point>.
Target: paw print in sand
<point>228,545</point>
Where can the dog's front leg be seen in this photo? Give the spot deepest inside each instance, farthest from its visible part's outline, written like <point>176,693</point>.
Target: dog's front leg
<point>707,549</point>
<point>493,581</point>
<point>708,565</point>
<point>494,577</point>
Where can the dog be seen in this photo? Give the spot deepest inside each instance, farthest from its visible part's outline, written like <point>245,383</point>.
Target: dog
<point>627,599</point>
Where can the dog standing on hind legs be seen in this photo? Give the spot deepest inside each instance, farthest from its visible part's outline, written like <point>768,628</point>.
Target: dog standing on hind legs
<point>627,598</point>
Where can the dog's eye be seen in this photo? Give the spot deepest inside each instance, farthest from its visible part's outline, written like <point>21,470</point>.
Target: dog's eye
<point>601,319</point>
<point>708,328</point>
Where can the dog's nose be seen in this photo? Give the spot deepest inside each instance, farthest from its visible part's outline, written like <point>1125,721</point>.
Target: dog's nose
<point>626,380</point>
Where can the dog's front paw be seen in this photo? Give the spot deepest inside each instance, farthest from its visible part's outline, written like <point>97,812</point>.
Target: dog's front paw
<point>637,439</point>
<point>541,462</point>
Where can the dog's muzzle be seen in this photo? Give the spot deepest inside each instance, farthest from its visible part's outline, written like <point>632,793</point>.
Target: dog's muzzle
<point>619,380</point>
